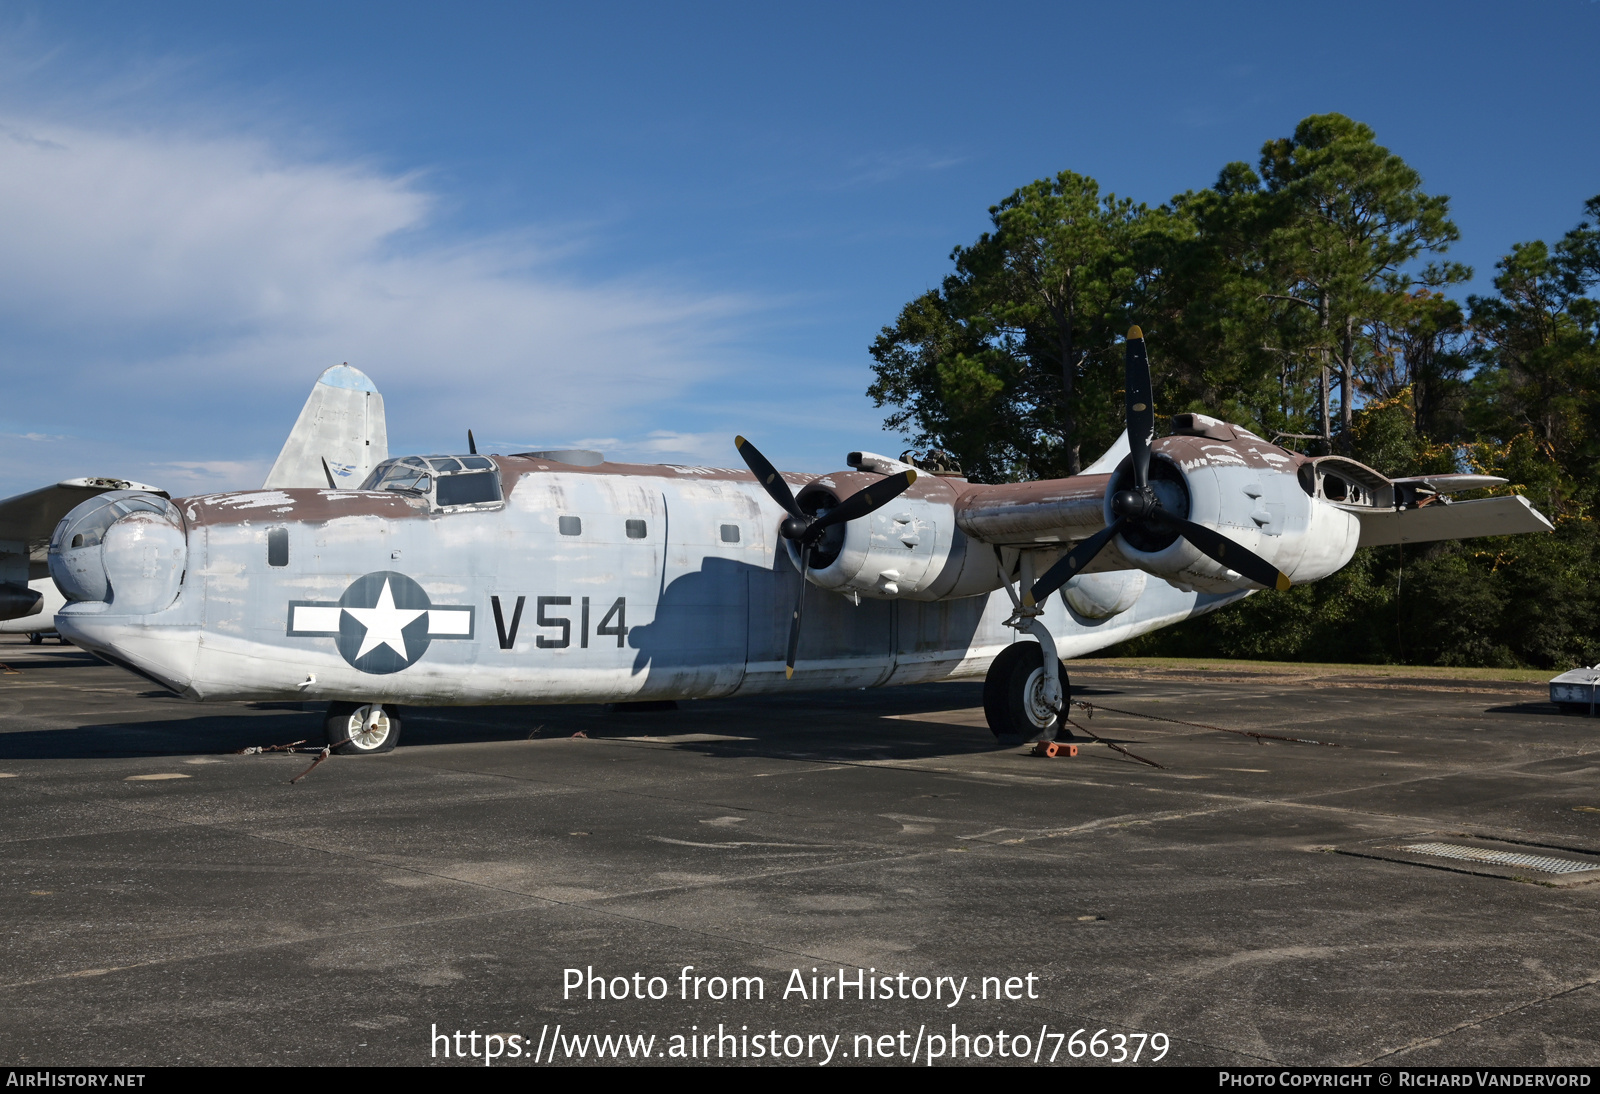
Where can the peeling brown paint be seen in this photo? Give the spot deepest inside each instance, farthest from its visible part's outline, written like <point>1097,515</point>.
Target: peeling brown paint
<point>1191,451</point>
<point>999,512</point>
<point>298,504</point>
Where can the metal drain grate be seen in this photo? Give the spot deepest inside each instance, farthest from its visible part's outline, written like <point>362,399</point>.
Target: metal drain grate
<point>1501,858</point>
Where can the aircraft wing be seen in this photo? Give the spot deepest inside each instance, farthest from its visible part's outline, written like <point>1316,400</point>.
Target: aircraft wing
<point>31,517</point>
<point>1507,516</point>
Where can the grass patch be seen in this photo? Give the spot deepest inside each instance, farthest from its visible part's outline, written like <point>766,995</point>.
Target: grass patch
<point>1305,669</point>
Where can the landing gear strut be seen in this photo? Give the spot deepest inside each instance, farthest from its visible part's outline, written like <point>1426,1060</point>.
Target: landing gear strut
<point>1026,691</point>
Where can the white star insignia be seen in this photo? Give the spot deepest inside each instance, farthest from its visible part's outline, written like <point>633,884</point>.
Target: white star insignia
<point>385,624</point>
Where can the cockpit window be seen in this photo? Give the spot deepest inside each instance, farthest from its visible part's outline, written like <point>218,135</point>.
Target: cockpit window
<point>449,481</point>
<point>409,475</point>
<point>469,488</point>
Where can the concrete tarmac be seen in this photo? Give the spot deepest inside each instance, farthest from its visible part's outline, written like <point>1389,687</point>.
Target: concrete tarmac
<point>166,901</point>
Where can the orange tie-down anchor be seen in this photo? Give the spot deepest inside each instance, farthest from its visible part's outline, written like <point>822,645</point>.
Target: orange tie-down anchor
<point>1053,749</point>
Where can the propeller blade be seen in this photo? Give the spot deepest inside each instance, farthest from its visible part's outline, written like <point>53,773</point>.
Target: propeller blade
<point>769,478</point>
<point>1219,548</point>
<point>1141,410</point>
<point>472,445</point>
<point>1070,563</point>
<point>862,502</point>
<point>799,604</point>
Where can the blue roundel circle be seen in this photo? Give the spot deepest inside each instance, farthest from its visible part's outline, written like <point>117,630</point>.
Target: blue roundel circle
<point>384,625</point>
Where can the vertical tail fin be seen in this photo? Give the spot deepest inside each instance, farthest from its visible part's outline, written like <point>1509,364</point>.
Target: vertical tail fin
<point>341,426</point>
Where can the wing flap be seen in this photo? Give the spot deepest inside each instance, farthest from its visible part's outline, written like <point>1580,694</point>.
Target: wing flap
<point>1507,516</point>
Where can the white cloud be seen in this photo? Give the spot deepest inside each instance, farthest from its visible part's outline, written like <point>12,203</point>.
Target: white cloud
<point>667,446</point>
<point>146,266</point>
<point>179,477</point>
<point>891,164</point>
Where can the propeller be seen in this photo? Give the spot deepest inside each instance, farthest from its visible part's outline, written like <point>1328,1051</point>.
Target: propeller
<point>806,529</point>
<point>1140,507</point>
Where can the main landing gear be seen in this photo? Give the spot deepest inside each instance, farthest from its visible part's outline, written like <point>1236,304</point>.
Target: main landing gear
<point>362,729</point>
<point>1016,699</point>
<point>1026,692</point>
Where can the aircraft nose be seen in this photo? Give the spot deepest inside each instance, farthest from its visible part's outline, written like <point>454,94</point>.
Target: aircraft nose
<point>125,548</point>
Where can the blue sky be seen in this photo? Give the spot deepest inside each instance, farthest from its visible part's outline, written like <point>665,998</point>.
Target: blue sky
<point>642,227</point>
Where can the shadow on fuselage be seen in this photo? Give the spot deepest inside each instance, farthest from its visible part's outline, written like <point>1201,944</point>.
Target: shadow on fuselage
<point>730,613</point>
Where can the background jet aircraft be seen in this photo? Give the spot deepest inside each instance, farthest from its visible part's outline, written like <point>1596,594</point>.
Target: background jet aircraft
<point>340,436</point>
<point>554,577</point>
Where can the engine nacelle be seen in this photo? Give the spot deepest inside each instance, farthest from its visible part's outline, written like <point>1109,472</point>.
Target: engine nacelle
<point>909,549</point>
<point>1248,491</point>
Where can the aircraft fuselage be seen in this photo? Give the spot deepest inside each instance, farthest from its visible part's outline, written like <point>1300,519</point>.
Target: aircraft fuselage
<point>610,583</point>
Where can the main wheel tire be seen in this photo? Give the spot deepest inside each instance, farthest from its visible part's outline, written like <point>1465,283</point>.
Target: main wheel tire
<point>1013,695</point>
<point>348,734</point>
<point>35,638</point>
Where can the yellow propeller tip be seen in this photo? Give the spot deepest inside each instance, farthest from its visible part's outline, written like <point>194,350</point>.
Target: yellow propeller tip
<point>788,672</point>
<point>911,477</point>
<point>739,442</point>
<point>1027,600</point>
<point>1283,583</point>
<point>1134,333</point>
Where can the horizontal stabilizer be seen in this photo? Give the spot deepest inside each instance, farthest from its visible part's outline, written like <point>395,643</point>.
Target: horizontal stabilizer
<point>342,423</point>
<point>1507,516</point>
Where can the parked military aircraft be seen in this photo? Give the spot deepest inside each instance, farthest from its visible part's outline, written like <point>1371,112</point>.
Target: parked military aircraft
<point>341,434</point>
<point>556,577</point>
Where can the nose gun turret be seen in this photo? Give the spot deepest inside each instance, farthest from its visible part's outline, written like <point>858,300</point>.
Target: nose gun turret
<point>125,548</point>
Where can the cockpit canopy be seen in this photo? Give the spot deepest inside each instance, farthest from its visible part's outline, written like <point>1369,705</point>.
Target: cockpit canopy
<point>451,483</point>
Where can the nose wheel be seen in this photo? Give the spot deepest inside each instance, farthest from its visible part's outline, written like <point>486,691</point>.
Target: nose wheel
<point>362,729</point>
<point>1014,695</point>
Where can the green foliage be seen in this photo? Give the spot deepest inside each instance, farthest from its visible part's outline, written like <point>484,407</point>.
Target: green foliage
<point>1285,292</point>
<point>1014,363</point>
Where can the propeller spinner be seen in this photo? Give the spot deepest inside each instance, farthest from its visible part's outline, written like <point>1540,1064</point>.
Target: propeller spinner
<point>805,529</point>
<point>1140,507</point>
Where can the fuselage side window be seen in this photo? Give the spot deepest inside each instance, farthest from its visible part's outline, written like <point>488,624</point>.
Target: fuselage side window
<point>730,533</point>
<point>636,529</point>
<point>571,526</point>
<point>278,547</point>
